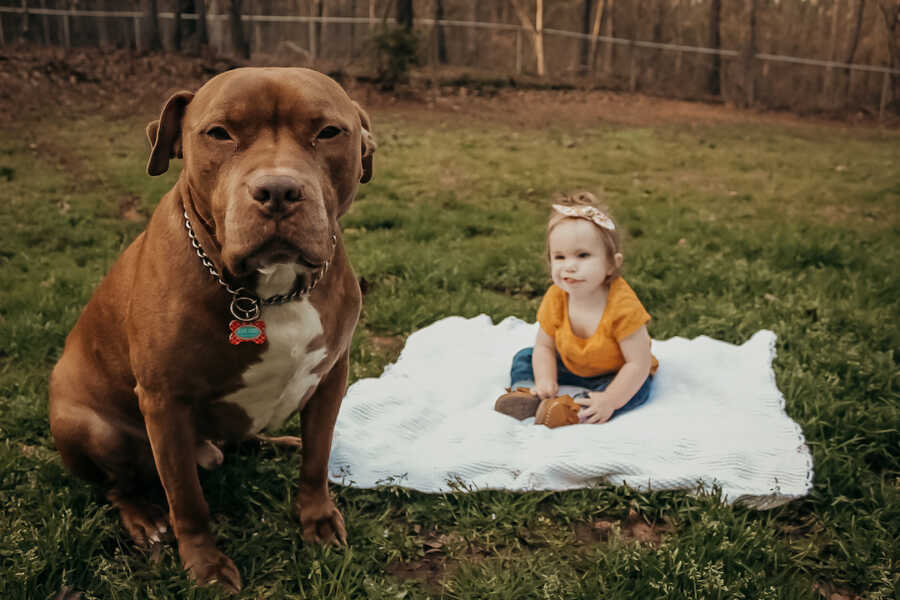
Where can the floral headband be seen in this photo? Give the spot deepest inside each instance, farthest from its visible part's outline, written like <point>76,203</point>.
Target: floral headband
<point>591,213</point>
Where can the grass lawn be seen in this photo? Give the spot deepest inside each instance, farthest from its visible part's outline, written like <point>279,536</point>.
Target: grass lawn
<point>731,228</point>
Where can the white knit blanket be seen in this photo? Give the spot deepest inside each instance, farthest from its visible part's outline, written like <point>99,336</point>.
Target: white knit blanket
<point>715,418</point>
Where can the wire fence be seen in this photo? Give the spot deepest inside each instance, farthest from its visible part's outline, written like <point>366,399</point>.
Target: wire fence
<point>515,59</point>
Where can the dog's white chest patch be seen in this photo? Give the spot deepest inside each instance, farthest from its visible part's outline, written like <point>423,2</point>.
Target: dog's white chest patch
<point>275,386</point>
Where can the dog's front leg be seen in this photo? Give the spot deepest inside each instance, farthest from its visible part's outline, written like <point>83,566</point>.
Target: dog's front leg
<point>170,429</point>
<point>320,519</point>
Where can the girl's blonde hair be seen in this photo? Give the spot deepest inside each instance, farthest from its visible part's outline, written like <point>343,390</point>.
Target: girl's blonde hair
<point>610,237</point>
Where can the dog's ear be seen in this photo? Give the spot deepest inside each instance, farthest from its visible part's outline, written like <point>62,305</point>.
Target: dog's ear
<point>368,144</point>
<point>165,133</point>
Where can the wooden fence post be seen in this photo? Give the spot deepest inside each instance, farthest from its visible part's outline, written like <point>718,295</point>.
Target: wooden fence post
<point>885,90</point>
<point>137,34</point>
<point>2,39</point>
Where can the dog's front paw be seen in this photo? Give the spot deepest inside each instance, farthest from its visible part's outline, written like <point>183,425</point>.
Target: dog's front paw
<point>208,565</point>
<point>322,522</point>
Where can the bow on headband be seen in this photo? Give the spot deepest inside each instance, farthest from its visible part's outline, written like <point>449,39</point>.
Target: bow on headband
<point>591,213</point>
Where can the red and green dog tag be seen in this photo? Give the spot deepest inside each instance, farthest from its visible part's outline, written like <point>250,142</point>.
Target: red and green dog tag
<point>247,331</point>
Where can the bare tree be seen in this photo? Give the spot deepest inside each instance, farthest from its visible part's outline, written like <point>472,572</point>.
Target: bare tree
<point>535,29</point>
<point>890,10</point>
<point>238,39</point>
<point>405,14</point>
<point>750,55</point>
<point>202,34</point>
<point>586,44</point>
<point>439,32</point>
<point>715,42</point>
<point>151,25</point>
<point>851,49</point>
<point>599,16</point>
<point>659,24</point>
<point>104,27</point>
<point>827,83</point>
<point>176,27</point>
<point>609,53</point>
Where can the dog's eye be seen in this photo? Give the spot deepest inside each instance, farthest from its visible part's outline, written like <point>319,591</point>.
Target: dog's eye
<point>328,133</point>
<point>218,133</point>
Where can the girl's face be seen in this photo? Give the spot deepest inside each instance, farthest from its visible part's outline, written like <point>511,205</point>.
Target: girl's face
<point>579,260</point>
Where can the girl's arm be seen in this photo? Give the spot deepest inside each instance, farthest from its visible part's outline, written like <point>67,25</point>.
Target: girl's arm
<point>601,405</point>
<point>543,362</point>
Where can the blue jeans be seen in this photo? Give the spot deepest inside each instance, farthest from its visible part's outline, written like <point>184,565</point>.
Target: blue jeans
<point>521,374</point>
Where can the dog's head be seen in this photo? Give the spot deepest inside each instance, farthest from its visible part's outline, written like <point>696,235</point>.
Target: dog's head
<point>272,158</point>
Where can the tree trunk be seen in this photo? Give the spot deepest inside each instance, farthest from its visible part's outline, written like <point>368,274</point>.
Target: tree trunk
<point>439,32</point>
<point>151,25</point>
<point>202,34</point>
<point>715,42</point>
<point>45,26</point>
<point>352,30</point>
<point>539,37</point>
<point>609,52</point>
<point>599,16</point>
<point>535,30</point>
<point>851,50</point>
<point>678,38</point>
<point>586,44</point>
<point>405,14</point>
<point>890,10</point>
<point>238,40</point>
<point>176,27</point>
<point>828,83</point>
<point>323,27</point>
<point>634,62</point>
<point>106,27</point>
<point>749,54</point>
<point>25,19</point>
<point>659,25</point>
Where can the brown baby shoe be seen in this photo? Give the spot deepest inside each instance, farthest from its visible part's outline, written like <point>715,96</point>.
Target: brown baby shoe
<point>556,412</point>
<point>519,403</point>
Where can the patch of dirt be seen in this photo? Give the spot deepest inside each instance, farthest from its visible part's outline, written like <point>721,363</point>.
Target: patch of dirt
<point>389,344</point>
<point>434,566</point>
<point>430,570</point>
<point>831,592</point>
<point>633,527</point>
<point>37,80</point>
<point>128,209</point>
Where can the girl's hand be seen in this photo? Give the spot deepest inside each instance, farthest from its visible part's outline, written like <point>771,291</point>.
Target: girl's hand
<point>597,408</point>
<point>545,389</point>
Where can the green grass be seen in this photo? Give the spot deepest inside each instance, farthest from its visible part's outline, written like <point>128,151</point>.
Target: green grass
<point>730,229</point>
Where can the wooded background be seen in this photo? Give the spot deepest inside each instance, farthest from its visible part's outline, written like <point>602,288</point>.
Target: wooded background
<point>835,55</point>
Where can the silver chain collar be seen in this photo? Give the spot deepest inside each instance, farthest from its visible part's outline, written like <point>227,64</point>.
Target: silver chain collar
<point>245,305</point>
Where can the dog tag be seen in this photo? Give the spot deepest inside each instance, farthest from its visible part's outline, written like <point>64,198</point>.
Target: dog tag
<point>247,331</point>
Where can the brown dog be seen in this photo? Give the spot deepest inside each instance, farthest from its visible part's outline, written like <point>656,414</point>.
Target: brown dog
<point>233,309</point>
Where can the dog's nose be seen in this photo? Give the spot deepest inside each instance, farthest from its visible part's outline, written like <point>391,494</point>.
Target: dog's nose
<point>276,192</point>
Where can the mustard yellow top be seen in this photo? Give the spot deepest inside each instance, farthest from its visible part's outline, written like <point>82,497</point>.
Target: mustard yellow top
<point>599,354</point>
